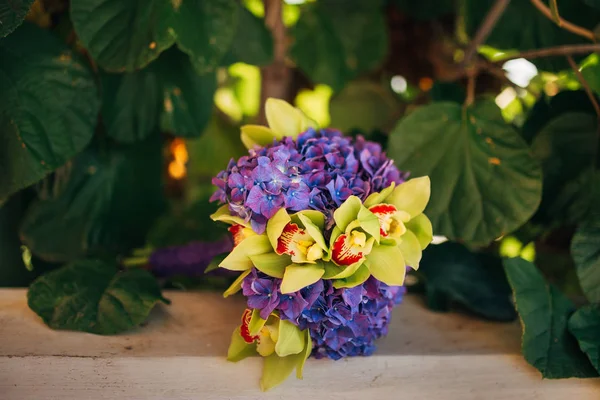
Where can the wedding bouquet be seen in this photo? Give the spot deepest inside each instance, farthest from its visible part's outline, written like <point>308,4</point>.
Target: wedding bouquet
<point>324,227</point>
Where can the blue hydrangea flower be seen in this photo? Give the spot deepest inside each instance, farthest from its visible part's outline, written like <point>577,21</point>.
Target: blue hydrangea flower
<point>342,322</point>
<point>319,170</point>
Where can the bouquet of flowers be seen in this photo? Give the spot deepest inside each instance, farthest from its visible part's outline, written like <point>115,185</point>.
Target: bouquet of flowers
<point>324,228</point>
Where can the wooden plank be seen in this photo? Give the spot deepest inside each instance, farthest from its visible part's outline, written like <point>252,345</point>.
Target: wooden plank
<point>180,355</point>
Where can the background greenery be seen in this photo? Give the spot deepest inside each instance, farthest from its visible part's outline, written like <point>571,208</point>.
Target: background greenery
<point>114,115</point>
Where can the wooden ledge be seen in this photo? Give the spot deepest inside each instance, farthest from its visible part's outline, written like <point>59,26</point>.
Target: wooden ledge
<point>180,354</point>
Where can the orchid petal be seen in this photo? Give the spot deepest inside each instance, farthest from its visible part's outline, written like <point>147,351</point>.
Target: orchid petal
<point>343,253</point>
<point>411,249</point>
<point>304,355</point>
<point>223,215</point>
<point>238,259</point>
<point>256,135</point>
<point>386,264</point>
<point>411,196</point>
<point>290,340</point>
<point>421,227</point>
<point>271,264</point>
<point>276,225</point>
<point>369,222</point>
<point>238,348</point>
<point>347,212</point>
<point>377,198</point>
<point>358,278</point>
<point>236,286</point>
<point>333,271</point>
<point>286,120</point>
<point>297,277</point>
<point>256,323</point>
<point>276,370</point>
<point>313,231</point>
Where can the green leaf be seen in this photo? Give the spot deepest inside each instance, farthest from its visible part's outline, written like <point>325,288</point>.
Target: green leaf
<point>590,69</point>
<point>447,91</point>
<point>187,97</point>
<point>107,206</point>
<point>347,212</point>
<point>12,14</point>
<point>239,258</point>
<point>48,107</point>
<point>387,265</point>
<point>298,276</point>
<point>121,35</point>
<point>585,249</point>
<point>584,324</point>
<point>236,286</point>
<point>411,196</point>
<point>130,104</point>
<point>276,369</point>
<point>523,27</point>
<point>94,296</point>
<point>544,311</point>
<point>252,43</point>
<point>202,29</point>
<point>238,348</point>
<point>566,148</point>
<point>334,43</point>
<point>420,226</point>
<point>357,278</point>
<point>453,274</point>
<point>364,105</point>
<point>548,108</point>
<point>472,158</point>
<point>593,3</point>
<point>291,339</point>
<point>271,264</point>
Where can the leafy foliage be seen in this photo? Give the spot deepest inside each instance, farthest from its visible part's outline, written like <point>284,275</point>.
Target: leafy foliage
<point>12,14</point>
<point>94,296</point>
<point>476,156</point>
<point>476,281</point>
<point>48,107</point>
<point>584,324</point>
<point>544,311</point>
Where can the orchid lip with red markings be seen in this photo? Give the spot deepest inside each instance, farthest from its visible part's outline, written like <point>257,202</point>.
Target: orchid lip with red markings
<point>343,253</point>
<point>245,329</point>
<point>237,233</point>
<point>296,242</point>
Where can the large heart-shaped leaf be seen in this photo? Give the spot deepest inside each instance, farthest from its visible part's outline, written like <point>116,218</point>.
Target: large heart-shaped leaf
<point>12,14</point>
<point>566,148</point>
<point>106,208</point>
<point>202,29</point>
<point>584,324</point>
<point>130,104</point>
<point>187,97</point>
<point>122,35</point>
<point>548,108</point>
<point>485,183</point>
<point>94,296</point>
<point>544,311</point>
<point>523,27</point>
<point>334,43</point>
<point>585,249</point>
<point>48,107</point>
<point>474,280</point>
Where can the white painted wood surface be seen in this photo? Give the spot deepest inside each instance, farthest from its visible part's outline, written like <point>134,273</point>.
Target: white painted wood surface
<point>180,355</point>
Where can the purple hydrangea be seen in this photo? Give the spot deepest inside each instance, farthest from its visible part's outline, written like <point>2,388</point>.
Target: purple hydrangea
<point>342,322</point>
<point>319,170</point>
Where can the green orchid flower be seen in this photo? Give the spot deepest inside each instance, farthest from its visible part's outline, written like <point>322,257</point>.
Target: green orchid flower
<point>282,344</point>
<point>283,119</point>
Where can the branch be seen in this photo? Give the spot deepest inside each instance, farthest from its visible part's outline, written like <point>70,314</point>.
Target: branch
<point>585,85</point>
<point>578,30</point>
<point>276,78</point>
<point>485,28</point>
<point>553,51</point>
